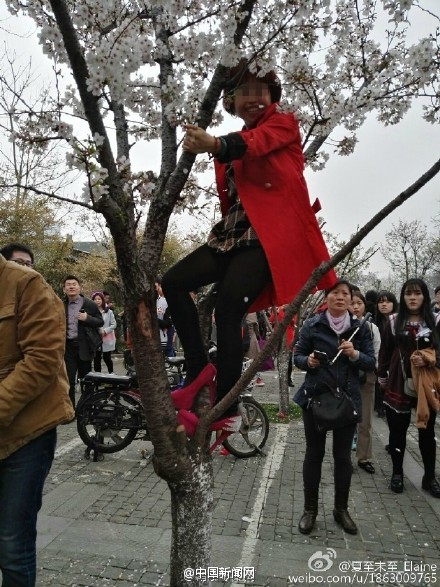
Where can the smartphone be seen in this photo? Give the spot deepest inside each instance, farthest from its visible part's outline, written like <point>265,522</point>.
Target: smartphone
<point>321,356</point>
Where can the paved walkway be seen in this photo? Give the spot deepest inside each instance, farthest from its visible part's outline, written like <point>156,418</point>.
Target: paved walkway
<point>108,523</point>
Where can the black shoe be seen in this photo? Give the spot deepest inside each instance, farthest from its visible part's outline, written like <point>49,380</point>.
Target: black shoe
<point>396,483</point>
<point>291,384</point>
<point>342,517</point>
<point>307,521</point>
<point>387,448</point>
<point>432,486</point>
<point>367,466</point>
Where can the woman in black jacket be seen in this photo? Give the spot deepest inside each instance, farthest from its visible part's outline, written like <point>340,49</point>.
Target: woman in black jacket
<point>329,332</point>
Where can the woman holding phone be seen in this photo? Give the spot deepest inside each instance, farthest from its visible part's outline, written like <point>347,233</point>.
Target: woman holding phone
<point>322,337</point>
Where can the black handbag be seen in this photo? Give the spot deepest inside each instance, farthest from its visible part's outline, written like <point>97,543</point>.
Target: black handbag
<point>332,408</point>
<point>93,339</point>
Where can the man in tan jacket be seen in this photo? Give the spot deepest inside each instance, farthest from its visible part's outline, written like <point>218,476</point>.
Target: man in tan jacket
<point>33,401</point>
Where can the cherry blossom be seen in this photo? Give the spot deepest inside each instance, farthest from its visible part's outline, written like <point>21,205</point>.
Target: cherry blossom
<point>337,61</point>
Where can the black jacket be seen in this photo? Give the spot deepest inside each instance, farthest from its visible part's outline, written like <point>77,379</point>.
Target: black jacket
<point>93,321</point>
<point>316,334</point>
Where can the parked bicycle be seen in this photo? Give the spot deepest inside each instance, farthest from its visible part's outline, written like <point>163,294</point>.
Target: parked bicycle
<point>110,416</point>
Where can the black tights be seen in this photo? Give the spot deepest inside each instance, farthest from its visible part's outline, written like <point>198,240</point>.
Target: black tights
<point>242,274</point>
<point>398,424</point>
<point>315,450</point>
<point>107,356</point>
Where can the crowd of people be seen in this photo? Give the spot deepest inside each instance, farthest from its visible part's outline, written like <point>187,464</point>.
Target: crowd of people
<point>391,364</point>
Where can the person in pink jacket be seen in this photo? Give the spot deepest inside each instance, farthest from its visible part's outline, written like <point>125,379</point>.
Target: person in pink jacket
<point>268,241</point>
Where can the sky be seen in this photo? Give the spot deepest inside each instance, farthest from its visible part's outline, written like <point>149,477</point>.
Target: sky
<point>351,189</point>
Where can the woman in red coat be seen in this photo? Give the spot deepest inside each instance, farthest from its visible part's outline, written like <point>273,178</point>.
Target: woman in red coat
<point>268,241</point>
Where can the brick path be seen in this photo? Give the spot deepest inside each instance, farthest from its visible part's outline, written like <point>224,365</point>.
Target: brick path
<point>108,523</point>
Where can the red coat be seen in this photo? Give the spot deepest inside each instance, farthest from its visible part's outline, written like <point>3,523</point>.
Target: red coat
<point>271,186</point>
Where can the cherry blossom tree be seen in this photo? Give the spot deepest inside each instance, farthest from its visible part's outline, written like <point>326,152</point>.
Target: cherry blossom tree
<point>134,71</point>
<point>412,251</point>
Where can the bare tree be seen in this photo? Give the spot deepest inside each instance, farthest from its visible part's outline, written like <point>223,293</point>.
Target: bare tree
<point>412,251</point>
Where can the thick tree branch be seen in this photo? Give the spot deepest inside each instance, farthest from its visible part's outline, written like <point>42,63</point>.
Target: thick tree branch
<point>121,126</point>
<point>170,185</point>
<point>89,101</point>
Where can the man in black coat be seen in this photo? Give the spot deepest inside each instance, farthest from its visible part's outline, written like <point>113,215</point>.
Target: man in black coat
<point>83,320</point>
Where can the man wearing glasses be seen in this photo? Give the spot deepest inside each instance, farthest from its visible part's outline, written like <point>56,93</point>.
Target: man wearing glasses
<point>33,402</point>
<point>19,253</point>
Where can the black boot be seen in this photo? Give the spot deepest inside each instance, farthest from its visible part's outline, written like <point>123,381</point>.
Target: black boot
<point>308,518</point>
<point>340,513</point>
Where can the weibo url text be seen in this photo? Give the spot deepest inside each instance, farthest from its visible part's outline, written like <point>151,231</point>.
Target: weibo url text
<point>366,578</point>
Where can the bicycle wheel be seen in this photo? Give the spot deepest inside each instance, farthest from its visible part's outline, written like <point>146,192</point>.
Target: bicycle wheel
<point>247,441</point>
<point>108,421</point>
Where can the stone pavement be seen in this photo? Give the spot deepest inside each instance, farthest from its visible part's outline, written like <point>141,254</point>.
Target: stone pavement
<point>108,523</point>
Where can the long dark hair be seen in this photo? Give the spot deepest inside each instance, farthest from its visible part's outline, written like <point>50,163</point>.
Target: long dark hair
<point>425,310</point>
<point>381,319</point>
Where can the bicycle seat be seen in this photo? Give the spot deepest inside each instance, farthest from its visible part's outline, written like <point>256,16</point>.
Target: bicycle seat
<point>175,360</point>
<point>107,379</point>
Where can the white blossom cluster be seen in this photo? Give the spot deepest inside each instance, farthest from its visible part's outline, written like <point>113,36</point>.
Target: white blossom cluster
<point>337,60</point>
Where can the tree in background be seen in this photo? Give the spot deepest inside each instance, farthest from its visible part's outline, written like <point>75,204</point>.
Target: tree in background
<point>25,159</point>
<point>140,71</point>
<point>412,251</point>
<point>355,263</point>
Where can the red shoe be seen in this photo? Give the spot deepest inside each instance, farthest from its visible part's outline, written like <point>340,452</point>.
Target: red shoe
<point>184,398</point>
<point>223,452</point>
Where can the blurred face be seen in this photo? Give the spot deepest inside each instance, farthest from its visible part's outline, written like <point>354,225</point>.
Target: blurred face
<point>357,306</point>
<point>338,300</point>
<point>384,306</point>
<point>71,288</point>
<point>250,100</point>
<point>21,258</point>
<point>98,301</point>
<point>413,299</point>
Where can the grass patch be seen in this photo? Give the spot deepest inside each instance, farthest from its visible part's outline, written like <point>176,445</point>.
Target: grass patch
<point>273,409</point>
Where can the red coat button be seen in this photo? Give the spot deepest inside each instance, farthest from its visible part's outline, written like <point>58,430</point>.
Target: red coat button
<point>267,186</point>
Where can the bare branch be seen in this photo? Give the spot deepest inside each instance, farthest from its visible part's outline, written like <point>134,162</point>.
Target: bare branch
<point>316,275</point>
<point>35,190</point>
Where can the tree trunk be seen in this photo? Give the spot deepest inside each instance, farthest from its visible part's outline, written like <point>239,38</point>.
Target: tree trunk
<point>185,464</point>
<point>191,511</point>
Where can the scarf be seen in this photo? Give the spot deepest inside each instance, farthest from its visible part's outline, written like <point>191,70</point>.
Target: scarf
<point>338,324</point>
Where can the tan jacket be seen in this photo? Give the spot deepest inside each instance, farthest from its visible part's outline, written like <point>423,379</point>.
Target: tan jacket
<point>33,382</point>
<point>427,384</point>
